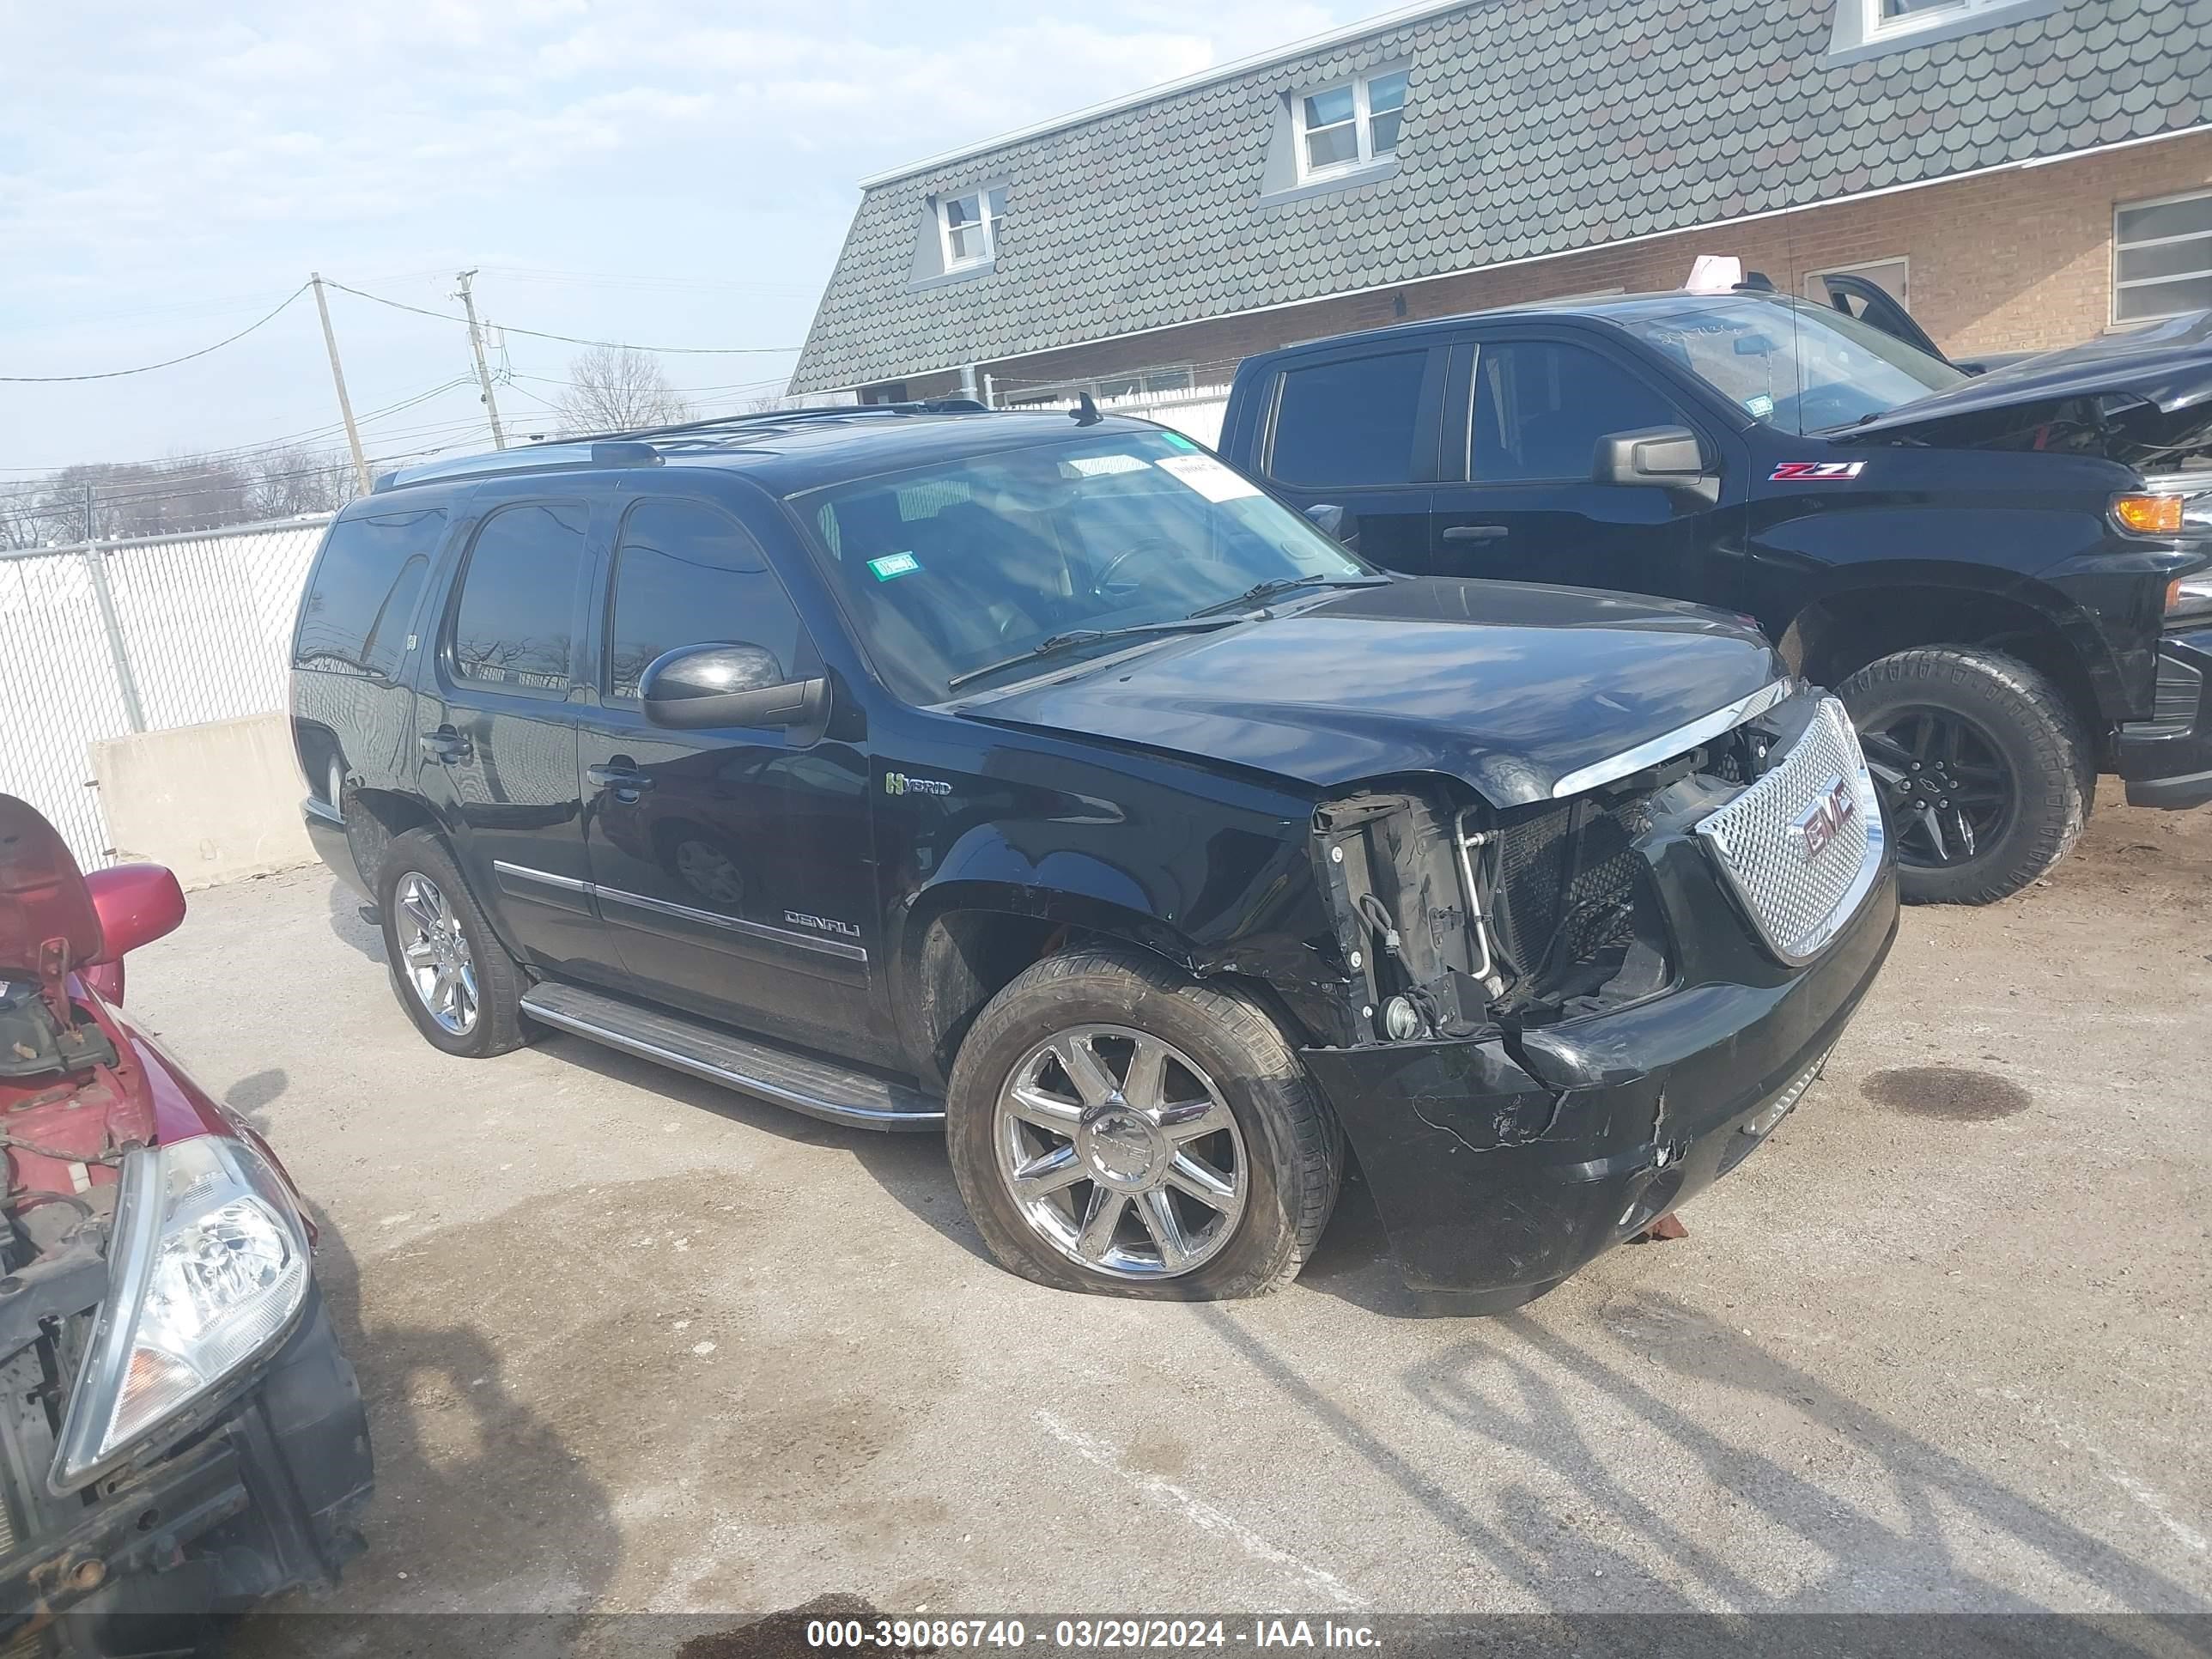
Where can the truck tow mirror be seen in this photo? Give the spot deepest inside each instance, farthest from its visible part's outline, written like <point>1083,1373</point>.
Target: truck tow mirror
<point>696,687</point>
<point>1654,457</point>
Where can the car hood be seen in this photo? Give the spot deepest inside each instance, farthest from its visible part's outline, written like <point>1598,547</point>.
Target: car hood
<point>43,897</point>
<point>2138,399</point>
<point>1508,686</point>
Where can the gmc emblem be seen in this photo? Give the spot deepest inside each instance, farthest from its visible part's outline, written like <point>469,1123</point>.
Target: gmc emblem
<point>1820,822</point>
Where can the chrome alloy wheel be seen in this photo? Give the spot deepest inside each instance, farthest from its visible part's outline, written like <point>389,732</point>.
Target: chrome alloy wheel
<point>1120,1153</point>
<point>435,953</point>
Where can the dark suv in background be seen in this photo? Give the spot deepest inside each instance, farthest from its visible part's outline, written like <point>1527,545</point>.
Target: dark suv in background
<point>2003,574</point>
<point>1048,782</point>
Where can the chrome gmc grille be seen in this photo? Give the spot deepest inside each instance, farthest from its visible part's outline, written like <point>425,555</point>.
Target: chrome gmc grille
<point>1803,844</point>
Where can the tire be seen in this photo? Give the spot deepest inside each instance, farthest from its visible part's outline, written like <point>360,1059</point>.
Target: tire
<point>2011,720</point>
<point>495,1024</point>
<point>1224,1063</point>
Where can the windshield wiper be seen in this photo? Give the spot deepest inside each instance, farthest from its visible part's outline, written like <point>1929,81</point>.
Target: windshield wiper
<point>1274,585</point>
<point>1052,645</point>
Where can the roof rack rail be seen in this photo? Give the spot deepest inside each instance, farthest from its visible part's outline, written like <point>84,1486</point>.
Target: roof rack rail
<point>537,458</point>
<point>642,445</point>
<point>791,416</point>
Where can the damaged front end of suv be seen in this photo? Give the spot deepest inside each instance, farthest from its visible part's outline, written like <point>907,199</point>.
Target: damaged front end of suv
<point>179,1433</point>
<point>1566,1015</point>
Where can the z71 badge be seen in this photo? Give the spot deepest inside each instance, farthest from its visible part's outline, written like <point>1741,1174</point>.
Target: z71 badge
<point>1814,472</point>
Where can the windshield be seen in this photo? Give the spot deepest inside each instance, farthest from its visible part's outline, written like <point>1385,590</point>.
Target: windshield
<point>1799,368</point>
<point>949,570</point>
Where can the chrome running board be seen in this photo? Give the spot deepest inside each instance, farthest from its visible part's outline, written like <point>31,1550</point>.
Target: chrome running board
<point>820,1088</point>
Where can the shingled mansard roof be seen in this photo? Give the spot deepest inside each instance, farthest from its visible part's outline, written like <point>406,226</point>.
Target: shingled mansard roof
<point>1531,127</point>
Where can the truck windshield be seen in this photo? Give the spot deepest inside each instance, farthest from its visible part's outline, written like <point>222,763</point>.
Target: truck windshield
<point>1797,366</point>
<point>970,565</point>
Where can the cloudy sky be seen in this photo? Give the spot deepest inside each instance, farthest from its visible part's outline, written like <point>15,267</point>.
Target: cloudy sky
<point>674,174</point>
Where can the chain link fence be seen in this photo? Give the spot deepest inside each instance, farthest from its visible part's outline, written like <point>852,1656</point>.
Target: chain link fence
<point>103,640</point>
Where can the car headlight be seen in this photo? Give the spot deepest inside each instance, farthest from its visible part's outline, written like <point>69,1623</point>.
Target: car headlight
<point>208,1265</point>
<point>2189,596</point>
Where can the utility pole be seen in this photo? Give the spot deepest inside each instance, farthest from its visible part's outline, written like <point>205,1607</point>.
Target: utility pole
<point>476,344</point>
<point>338,378</point>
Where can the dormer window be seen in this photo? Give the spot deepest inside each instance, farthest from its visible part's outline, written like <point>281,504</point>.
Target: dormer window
<point>1351,125</point>
<point>970,227</point>
<point>1887,17</point>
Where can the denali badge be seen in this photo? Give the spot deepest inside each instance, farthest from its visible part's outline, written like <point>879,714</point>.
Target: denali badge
<point>1820,822</point>
<point>824,924</point>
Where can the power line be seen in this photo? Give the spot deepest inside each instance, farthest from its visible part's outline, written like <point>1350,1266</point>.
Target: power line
<point>148,368</point>
<point>570,339</point>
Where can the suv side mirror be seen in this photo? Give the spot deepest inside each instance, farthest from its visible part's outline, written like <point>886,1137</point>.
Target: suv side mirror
<point>1661,456</point>
<point>736,684</point>
<point>1333,521</point>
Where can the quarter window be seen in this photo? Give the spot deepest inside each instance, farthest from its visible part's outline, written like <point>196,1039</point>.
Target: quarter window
<point>2162,258</point>
<point>1539,409</point>
<point>514,625</point>
<point>1351,125</point>
<point>355,616</point>
<point>686,574</point>
<point>970,224</point>
<point>1893,277</point>
<point>1351,421</point>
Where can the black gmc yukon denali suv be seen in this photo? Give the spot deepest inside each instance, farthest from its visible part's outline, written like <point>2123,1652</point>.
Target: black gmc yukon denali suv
<point>1048,783</point>
<point>2006,577</point>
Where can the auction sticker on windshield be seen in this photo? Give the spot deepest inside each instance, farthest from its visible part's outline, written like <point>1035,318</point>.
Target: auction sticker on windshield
<point>1207,477</point>
<point>893,564</point>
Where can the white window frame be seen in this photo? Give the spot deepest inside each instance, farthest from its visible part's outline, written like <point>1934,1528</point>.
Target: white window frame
<point>1879,27</point>
<point>1363,126</point>
<point>2118,208</point>
<point>984,216</point>
<point>1859,269</point>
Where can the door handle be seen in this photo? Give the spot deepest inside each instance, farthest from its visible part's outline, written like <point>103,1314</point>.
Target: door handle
<point>622,779</point>
<point>1474,532</point>
<point>447,745</point>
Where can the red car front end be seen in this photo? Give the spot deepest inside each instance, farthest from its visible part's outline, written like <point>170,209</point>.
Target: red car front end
<point>179,1435</point>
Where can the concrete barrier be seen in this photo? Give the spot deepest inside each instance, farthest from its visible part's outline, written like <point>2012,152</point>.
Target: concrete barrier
<point>214,802</point>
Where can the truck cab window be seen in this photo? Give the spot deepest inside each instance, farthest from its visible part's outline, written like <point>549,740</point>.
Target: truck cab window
<point>1349,422</point>
<point>1541,405</point>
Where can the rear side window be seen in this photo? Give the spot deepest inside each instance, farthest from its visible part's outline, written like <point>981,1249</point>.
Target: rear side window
<point>1349,422</point>
<point>1541,406</point>
<point>354,618</point>
<point>514,623</point>
<point>687,574</point>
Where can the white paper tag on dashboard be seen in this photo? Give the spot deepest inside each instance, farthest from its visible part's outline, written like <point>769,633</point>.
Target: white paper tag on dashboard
<point>1207,477</point>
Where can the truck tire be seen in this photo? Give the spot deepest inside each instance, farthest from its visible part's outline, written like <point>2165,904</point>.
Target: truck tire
<point>1984,770</point>
<point>1118,1128</point>
<point>448,969</point>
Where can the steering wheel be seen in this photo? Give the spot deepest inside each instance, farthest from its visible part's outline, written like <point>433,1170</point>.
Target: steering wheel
<point>1154,546</point>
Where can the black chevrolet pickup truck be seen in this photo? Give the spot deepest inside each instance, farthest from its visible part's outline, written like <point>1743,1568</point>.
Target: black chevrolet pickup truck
<point>1047,783</point>
<point>2007,576</point>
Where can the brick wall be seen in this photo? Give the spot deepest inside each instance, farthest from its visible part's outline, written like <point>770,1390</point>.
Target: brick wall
<point>2013,261</point>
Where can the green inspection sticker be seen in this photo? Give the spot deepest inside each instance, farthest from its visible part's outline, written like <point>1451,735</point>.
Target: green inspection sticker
<point>893,564</point>
<point>1177,441</point>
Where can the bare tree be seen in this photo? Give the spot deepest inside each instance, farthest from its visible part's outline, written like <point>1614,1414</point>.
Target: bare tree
<point>615,388</point>
<point>301,479</point>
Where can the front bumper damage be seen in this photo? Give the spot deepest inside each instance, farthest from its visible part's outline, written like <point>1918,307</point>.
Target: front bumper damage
<point>1501,1163</point>
<point>265,1498</point>
<point>2166,761</point>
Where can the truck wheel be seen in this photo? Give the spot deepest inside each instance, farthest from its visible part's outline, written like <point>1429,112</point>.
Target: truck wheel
<point>449,971</point>
<point>1981,767</point>
<point>1119,1129</point>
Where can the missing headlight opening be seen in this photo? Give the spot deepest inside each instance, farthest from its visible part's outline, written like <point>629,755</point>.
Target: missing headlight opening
<point>1455,918</point>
